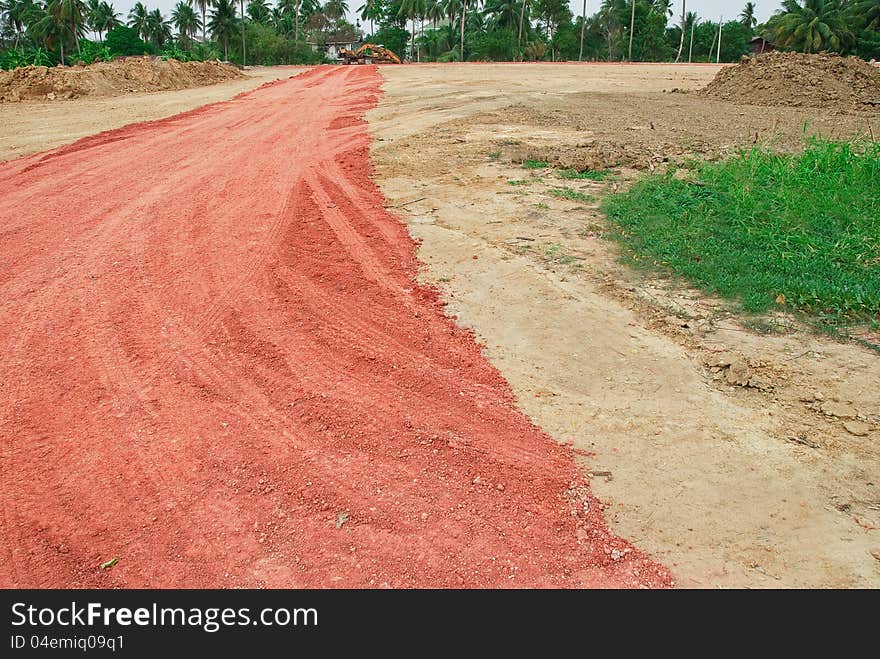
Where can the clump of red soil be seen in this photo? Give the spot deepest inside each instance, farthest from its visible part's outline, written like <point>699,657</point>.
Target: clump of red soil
<point>800,80</point>
<point>121,76</point>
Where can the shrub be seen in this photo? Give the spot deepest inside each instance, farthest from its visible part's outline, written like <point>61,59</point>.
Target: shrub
<point>90,52</point>
<point>124,40</point>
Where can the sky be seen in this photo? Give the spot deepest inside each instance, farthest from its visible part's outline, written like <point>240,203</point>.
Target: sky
<point>708,9</point>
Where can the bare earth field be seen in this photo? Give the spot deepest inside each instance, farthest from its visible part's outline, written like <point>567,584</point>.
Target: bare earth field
<point>776,484</point>
<point>737,451</point>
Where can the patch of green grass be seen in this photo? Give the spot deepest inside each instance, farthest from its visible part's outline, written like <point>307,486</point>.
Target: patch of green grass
<point>572,195</point>
<point>542,206</point>
<point>588,174</point>
<point>799,231</point>
<point>520,181</point>
<point>495,155</point>
<point>535,164</point>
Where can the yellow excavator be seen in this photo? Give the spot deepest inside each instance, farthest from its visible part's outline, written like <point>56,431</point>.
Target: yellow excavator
<point>369,53</point>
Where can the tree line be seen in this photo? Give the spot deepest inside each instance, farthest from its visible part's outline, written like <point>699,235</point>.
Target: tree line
<point>294,31</point>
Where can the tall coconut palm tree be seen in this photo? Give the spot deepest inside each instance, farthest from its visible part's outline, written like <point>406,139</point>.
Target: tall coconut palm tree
<point>92,8</point>
<point>291,10</point>
<point>203,6</point>
<point>632,29</point>
<point>747,16</point>
<point>19,14</point>
<point>258,11</point>
<point>691,21</point>
<point>106,20</point>
<point>583,28</point>
<point>336,9</point>
<point>223,23</point>
<point>502,14</point>
<point>61,22</point>
<point>139,19</point>
<point>372,10</point>
<point>409,9</point>
<point>522,18</point>
<point>435,13</point>
<point>463,18</point>
<point>73,13</point>
<point>683,30</point>
<point>663,7</point>
<point>160,30</point>
<point>813,25</point>
<point>186,21</point>
<point>51,29</point>
<point>243,33</point>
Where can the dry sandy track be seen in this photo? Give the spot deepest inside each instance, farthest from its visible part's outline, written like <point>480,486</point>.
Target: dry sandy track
<point>218,369</point>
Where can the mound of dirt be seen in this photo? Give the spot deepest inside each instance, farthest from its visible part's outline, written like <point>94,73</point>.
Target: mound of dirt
<point>121,76</point>
<point>799,80</point>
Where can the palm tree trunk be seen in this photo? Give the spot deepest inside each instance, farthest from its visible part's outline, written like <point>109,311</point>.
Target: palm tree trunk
<point>296,24</point>
<point>522,13</point>
<point>683,28</point>
<point>720,25</point>
<point>61,43</point>
<point>691,49</point>
<point>583,26</point>
<point>75,38</point>
<point>632,25</point>
<point>463,14</point>
<point>204,25</point>
<point>243,30</point>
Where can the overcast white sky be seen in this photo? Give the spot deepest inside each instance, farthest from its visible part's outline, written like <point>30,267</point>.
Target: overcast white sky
<point>709,9</point>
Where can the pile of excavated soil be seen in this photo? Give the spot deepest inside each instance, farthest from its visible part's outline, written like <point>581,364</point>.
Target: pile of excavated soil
<point>800,80</point>
<point>122,76</point>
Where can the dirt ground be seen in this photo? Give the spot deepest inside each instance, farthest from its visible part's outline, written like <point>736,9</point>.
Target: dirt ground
<point>219,371</point>
<point>775,483</point>
<point>801,80</point>
<point>737,451</point>
<point>32,126</point>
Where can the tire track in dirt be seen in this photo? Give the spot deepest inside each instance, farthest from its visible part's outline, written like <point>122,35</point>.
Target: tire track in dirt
<point>219,369</point>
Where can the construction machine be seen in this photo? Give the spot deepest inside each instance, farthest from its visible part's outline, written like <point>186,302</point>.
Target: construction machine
<point>368,53</point>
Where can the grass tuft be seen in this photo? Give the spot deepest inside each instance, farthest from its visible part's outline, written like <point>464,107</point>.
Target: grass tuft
<point>535,164</point>
<point>572,195</point>
<point>587,174</point>
<point>796,231</point>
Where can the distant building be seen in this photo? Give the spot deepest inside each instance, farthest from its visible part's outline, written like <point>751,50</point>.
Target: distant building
<point>761,45</point>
